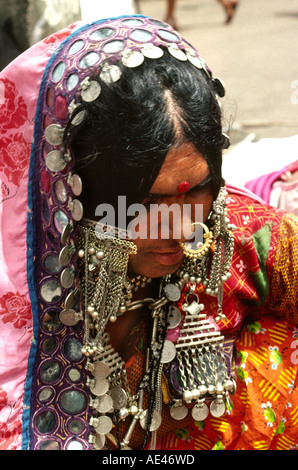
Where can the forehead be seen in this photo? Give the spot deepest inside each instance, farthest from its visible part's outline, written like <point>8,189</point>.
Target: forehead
<point>182,163</point>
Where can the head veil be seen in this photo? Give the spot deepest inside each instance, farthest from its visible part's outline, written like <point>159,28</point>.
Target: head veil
<point>40,92</point>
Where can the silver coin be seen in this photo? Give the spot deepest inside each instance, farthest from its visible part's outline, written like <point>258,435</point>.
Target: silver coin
<point>67,277</point>
<point>168,352</point>
<point>66,232</point>
<point>174,317</point>
<point>54,134</point>
<point>151,51</point>
<point>78,118</point>
<point>119,397</point>
<point>91,92</point>
<point>105,425</point>
<point>68,317</point>
<point>55,161</point>
<point>76,209</point>
<point>65,256</point>
<point>194,60</point>
<point>132,58</point>
<point>70,300</point>
<point>76,184</point>
<point>105,404</point>
<point>110,73</point>
<point>178,412</point>
<point>100,387</point>
<point>172,292</point>
<point>200,412</point>
<point>155,421</point>
<point>100,370</point>
<point>217,408</point>
<point>100,441</point>
<point>177,53</point>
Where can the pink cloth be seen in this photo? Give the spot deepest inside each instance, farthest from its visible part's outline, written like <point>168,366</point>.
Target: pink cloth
<point>19,88</point>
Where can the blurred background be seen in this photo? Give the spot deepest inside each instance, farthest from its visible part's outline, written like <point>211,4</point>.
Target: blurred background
<point>255,54</point>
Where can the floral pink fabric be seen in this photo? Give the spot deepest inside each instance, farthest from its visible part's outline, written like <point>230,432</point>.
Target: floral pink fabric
<point>19,88</point>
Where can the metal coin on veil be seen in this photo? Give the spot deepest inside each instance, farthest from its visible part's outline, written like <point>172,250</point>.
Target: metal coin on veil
<point>70,300</point>
<point>65,255</point>
<point>105,404</point>
<point>68,317</point>
<point>200,412</point>
<point>67,277</point>
<point>168,352</point>
<point>54,134</point>
<point>194,60</point>
<point>118,396</point>
<point>132,58</point>
<point>172,292</point>
<point>151,51</point>
<point>66,232</point>
<point>100,441</point>
<point>217,408</point>
<point>100,387</point>
<point>177,53</point>
<point>174,317</point>
<point>76,209</point>
<point>155,421</point>
<point>105,425</point>
<point>55,161</point>
<point>100,370</point>
<point>178,412</point>
<point>76,184</point>
<point>110,73</point>
<point>91,92</point>
<point>78,118</point>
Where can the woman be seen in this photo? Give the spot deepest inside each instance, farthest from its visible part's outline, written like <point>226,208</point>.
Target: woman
<point>113,338</point>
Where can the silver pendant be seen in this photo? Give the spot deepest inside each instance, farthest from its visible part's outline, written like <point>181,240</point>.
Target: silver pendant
<point>68,317</point>
<point>100,387</point>
<point>105,425</point>
<point>110,73</point>
<point>132,58</point>
<point>100,370</point>
<point>168,352</point>
<point>174,317</point>
<point>104,404</point>
<point>100,441</point>
<point>118,396</point>
<point>54,134</point>
<point>200,411</point>
<point>178,411</point>
<point>217,408</point>
<point>155,421</point>
<point>65,255</point>
<point>67,277</point>
<point>172,292</point>
<point>194,308</point>
<point>91,92</point>
<point>55,161</point>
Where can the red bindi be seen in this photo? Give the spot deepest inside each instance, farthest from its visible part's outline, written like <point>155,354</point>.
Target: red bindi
<point>183,187</point>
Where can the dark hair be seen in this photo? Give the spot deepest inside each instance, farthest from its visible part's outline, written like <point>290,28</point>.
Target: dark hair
<point>123,141</point>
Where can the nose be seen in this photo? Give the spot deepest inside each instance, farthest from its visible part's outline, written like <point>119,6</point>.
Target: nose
<point>174,219</point>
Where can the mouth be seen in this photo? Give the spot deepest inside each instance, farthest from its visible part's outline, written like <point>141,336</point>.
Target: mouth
<point>168,258</point>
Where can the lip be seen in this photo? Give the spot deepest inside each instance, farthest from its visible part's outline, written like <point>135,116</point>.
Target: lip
<point>168,258</point>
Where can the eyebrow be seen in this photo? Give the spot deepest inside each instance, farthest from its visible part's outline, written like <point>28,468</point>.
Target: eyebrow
<point>202,183</point>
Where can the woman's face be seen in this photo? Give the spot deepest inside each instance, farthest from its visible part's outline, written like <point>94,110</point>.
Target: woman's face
<point>160,253</point>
